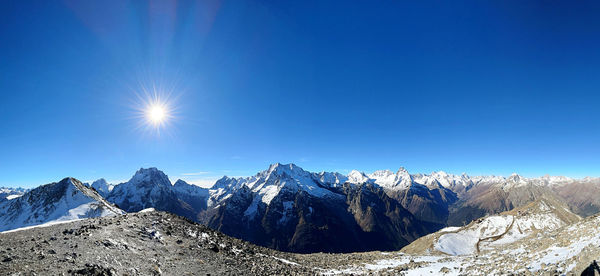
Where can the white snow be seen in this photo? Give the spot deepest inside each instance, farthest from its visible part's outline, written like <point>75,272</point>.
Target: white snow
<point>288,208</point>
<point>386,263</point>
<point>505,229</point>
<point>450,229</point>
<point>465,241</point>
<point>357,177</point>
<point>399,181</point>
<point>284,261</point>
<point>252,209</point>
<point>268,184</point>
<point>268,193</point>
<point>428,265</point>
<point>457,243</point>
<point>13,196</point>
<point>332,179</point>
<point>40,225</point>
<point>557,254</point>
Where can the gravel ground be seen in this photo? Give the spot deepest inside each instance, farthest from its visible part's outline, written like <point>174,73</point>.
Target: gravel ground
<point>151,243</point>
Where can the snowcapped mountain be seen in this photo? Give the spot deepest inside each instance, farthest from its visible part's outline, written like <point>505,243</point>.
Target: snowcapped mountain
<point>356,177</point>
<point>423,195</point>
<point>290,209</point>
<point>332,179</point>
<point>11,193</point>
<point>61,201</point>
<point>401,180</point>
<point>267,184</point>
<point>102,187</point>
<point>151,188</point>
<point>276,179</point>
<point>438,198</point>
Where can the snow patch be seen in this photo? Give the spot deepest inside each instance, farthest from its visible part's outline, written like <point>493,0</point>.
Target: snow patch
<point>13,196</point>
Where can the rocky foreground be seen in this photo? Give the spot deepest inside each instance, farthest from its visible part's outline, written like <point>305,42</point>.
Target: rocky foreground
<point>158,243</point>
<point>146,243</point>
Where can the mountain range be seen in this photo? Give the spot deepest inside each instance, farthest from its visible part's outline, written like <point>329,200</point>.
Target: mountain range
<point>289,209</point>
<point>543,237</point>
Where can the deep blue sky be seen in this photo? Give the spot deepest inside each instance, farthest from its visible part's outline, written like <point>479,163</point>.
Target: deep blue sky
<point>482,87</point>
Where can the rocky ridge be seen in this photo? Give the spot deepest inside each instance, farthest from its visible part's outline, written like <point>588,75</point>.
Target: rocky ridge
<point>65,200</point>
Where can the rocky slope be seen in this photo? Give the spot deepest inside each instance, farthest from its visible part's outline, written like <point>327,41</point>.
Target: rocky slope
<point>146,243</point>
<point>66,200</point>
<point>542,215</point>
<point>581,196</point>
<point>537,239</point>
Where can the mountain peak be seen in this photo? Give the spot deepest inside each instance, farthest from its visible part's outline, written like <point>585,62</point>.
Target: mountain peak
<point>100,181</point>
<point>514,177</point>
<point>442,173</point>
<point>387,179</point>
<point>357,177</point>
<point>278,167</point>
<point>102,187</point>
<point>382,173</point>
<point>402,170</point>
<point>152,174</point>
<point>147,170</point>
<point>71,181</point>
<point>290,169</point>
<point>180,182</point>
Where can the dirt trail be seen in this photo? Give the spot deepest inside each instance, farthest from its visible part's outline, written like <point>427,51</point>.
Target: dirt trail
<point>494,238</point>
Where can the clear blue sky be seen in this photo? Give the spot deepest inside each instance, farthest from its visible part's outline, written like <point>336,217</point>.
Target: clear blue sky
<point>482,87</point>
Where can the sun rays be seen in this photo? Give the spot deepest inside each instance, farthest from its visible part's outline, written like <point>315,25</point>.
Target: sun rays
<point>155,109</point>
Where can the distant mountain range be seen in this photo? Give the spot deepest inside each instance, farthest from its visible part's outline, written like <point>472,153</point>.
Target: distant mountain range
<point>290,209</point>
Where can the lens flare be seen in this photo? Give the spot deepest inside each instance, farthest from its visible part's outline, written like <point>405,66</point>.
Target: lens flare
<point>154,109</point>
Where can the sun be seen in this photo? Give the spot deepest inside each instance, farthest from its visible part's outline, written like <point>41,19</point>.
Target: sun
<point>156,114</point>
<point>155,109</point>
